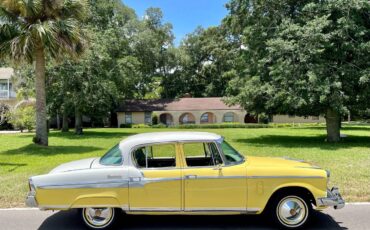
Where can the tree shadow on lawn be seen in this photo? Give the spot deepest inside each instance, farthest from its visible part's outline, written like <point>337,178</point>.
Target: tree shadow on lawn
<point>13,166</point>
<point>343,129</point>
<point>306,141</point>
<point>33,149</point>
<point>88,134</point>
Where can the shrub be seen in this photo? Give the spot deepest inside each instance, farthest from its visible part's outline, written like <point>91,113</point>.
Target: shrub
<point>213,126</point>
<point>155,119</point>
<point>140,126</point>
<point>159,126</point>
<point>23,118</point>
<point>125,125</point>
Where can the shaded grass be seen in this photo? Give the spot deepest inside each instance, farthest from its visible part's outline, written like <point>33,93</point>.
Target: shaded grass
<point>349,161</point>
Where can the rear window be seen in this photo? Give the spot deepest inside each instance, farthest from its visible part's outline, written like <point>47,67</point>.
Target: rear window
<point>112,157</point>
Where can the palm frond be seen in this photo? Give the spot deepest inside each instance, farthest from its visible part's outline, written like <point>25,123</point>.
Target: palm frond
<point>77,9</point>
<point>54,25</point>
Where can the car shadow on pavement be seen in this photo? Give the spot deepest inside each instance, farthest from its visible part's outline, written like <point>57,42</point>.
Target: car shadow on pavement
<point>71,220</point>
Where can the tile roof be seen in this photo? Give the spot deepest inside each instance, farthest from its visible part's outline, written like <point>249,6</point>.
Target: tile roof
<point>181,104</point>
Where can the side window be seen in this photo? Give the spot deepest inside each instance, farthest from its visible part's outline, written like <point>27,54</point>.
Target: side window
<point>201,154</point>
<point>155,156</point>
<point>112,157</point>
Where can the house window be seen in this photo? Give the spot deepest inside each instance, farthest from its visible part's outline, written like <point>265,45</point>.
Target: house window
<point>128,118</point>
<point>4,89</point>
<point>229,117</point>
<point>204,118</point>
<point>148,117</point>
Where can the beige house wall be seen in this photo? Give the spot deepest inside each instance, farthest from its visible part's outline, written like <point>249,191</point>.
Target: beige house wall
<point>297,119</point>
<point>218,114</point>
<point>139,117</point>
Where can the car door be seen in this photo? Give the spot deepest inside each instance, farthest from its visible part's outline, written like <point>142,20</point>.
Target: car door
<point>155,183</point>
<point>210,185</point>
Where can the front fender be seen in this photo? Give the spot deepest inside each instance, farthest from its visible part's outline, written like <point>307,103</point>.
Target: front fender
<point>261,191</point>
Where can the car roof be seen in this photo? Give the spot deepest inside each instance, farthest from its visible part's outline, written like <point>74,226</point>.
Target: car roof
<point>162,137</point>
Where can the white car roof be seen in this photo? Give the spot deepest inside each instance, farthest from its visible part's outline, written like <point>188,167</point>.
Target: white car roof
<point>158,137</point>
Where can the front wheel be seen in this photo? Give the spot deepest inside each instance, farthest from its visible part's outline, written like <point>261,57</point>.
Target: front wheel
<point>99,218</point>
<point>291,211</point>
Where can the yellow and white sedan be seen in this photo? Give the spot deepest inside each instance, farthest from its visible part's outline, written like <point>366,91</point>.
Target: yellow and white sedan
<point>183,173</point>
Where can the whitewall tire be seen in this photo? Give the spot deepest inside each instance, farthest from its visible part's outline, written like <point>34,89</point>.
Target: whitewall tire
<point>98,218</point>
<point>291,211</point>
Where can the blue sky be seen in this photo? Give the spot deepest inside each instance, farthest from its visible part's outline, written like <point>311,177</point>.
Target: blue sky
<point>185,15</point>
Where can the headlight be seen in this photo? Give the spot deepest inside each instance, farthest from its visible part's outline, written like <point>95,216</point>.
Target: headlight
<point>31,185</point>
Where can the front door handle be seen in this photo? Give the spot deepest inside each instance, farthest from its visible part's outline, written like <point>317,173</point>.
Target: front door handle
<point>191,177</point>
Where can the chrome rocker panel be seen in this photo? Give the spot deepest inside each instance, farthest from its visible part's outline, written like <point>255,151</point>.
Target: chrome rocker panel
<point>333,199</point>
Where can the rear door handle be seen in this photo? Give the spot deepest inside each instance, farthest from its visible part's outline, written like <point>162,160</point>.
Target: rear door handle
<point>191,177</point>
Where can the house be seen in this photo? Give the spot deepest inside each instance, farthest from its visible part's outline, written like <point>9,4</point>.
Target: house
<point>7,93</point>
<point>193,111</point>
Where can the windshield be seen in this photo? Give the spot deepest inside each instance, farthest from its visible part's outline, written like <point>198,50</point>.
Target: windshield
<point>112,157</point>
<point>232,156</point>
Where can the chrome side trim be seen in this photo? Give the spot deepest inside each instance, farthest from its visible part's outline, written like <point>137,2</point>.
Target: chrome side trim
<point>284,177</point>
<point>202,209</point>
<point>216,209</point>
<point>143,181</point>
<point>53,207</point>
<point>95,184</point>
<point>217,177</point>
<point>64,207</point>
<point>154,209</point>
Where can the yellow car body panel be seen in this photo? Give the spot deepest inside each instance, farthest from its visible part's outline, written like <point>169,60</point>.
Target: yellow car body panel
<point>87,197</point>
<point>224,189</point>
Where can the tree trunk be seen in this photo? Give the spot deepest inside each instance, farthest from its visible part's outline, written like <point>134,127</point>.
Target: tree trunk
<point>58,121</point>
<point>65,127</point>
<point>332,125</point>
<point>78,121</point>
<point>41,126</point>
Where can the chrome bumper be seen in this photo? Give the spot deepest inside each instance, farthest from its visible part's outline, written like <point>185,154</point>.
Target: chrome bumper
<point>31,200</point>
<point>333,199</point>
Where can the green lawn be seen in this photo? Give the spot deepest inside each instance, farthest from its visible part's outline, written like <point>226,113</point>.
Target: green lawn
<point>349,161</point>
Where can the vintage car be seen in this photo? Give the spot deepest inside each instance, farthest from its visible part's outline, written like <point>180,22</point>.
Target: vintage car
<point>183,173</point>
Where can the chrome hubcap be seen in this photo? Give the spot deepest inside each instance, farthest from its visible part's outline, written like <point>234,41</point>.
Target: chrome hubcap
<point>292,211</point>
<point>98,217</point>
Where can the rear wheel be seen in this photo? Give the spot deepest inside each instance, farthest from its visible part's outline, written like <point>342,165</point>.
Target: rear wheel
<point>291,211</point>
<point>99,218</point>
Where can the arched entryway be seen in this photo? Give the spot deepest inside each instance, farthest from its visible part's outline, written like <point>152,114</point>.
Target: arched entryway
<point>207,118</point>
<point>166,118</point>
<point>187,118</point>
<point>229,117</point>
<point>249,118</point>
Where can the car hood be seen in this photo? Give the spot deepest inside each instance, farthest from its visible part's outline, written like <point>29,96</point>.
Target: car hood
<point>74,165</point>
<point>279,162</point>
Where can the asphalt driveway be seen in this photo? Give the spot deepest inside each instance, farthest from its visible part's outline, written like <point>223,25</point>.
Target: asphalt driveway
<point>353,216</point>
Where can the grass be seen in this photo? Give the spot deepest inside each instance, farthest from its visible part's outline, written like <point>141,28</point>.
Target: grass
<point>349,161</point>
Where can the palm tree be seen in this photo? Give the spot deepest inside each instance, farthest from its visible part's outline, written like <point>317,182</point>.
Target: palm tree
<point>31,30</point>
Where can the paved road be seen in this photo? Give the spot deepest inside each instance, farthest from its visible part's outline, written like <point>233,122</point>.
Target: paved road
<point>352,216</point>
